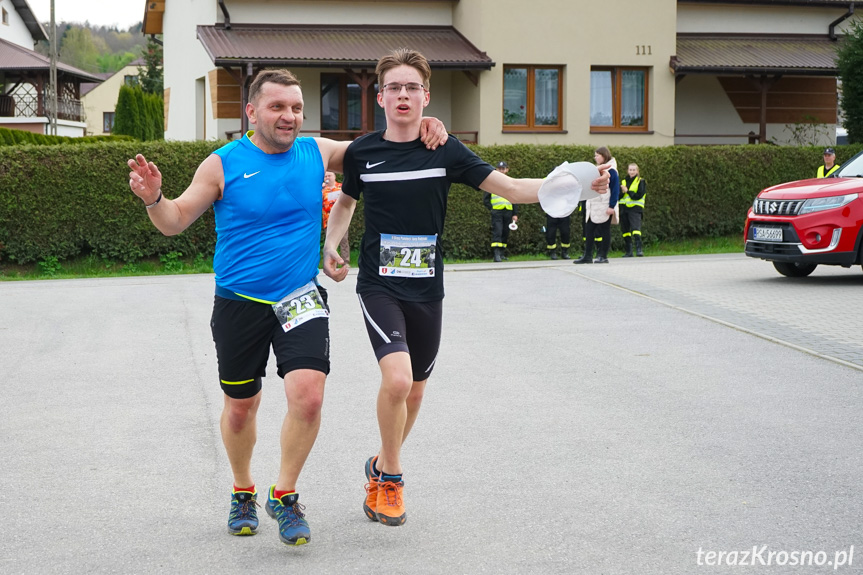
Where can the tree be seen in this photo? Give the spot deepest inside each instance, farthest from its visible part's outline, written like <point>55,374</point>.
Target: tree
<point>156,115</point>
<point>850,63</point>
<point>138,114</point>
<point>127,115</point>
<point>80,49</point>
<point>150,76</point>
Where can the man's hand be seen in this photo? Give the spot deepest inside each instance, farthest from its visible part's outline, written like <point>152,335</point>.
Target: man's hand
<point>145,180</point>
<point>609,211</point>
<point>433,133</point>
<point>600,184</point>
<point>334,266</point>
<point>515,218</point>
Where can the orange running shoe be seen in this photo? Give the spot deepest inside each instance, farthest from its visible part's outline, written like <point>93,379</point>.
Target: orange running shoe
<point>390,504</point>
<point>371,503</point>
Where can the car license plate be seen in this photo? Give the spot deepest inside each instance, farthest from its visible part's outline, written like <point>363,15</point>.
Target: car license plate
<point>768,234</point>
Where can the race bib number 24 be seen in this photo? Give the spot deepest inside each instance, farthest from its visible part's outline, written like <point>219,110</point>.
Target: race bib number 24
<point>407,256</point>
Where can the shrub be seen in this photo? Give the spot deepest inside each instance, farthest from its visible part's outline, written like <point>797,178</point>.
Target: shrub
<point>63,201</point>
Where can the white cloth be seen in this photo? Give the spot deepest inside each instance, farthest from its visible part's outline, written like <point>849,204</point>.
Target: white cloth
<point>596,208</point>
<point>565,187</point>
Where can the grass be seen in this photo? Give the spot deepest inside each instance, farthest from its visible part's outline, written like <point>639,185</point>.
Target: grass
<point>176,263</point>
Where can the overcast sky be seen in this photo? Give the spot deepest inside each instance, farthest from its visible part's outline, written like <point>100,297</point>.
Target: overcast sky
<point>122,13</point>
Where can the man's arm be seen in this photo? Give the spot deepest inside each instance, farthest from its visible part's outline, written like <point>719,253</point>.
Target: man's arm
<point>432,134</point>
<point>524,191</point>
<point>340,218</point>
<point>173,216</point>
<point>521,191</point>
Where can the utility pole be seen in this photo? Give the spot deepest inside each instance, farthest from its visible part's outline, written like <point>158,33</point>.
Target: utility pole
<point>52,83</point>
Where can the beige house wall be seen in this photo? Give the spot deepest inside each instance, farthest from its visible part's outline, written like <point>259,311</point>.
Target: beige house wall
<point>557,33</point>
<point>103,98</point>
<point>334,12</point>
<point>737,19</point>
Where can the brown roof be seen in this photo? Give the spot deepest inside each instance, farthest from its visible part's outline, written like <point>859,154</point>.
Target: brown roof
<point>727,54</point>
<point>336,46</point>
<point>14,58</point>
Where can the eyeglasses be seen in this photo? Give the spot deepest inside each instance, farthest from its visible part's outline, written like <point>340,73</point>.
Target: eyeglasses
<point>396,88</point>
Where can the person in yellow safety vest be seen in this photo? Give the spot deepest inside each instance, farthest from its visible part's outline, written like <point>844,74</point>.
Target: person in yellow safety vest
<point>633,189</point>
<point>830,164</point>
<point>503,213</point>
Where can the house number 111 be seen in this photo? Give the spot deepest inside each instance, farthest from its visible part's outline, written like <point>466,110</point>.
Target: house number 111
<point>643,50</point>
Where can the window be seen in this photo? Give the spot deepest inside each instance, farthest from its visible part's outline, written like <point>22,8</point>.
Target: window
<point>131,80</point>
<point>107,122</point>
<point>618,99</point>
<point>532,97</point>
<point>341,107</point>
<point>5,16</point>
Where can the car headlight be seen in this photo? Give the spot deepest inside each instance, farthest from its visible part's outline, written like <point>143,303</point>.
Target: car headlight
<point>821,204</point>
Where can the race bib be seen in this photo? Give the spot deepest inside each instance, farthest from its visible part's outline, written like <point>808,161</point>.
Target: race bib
<point>407,256</point>
<point>300,306</point>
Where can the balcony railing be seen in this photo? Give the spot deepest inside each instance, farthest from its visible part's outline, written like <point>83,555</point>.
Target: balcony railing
<point>33,106</point>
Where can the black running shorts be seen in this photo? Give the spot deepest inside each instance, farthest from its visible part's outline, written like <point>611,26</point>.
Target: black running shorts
<point>244,331</point>
<point>398,325</point>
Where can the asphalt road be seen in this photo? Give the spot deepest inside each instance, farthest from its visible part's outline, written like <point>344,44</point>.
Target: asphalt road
<point>628,418</point>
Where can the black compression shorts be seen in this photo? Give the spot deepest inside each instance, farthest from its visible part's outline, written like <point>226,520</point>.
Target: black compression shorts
<point>243,332</point>
<point>398,325</point>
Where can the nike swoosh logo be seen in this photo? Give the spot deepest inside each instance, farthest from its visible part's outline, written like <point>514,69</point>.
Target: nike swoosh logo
<point>370,166</point>
<point>245,175</point>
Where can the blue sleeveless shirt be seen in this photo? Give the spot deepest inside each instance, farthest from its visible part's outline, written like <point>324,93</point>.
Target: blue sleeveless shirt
<point>268,222</point>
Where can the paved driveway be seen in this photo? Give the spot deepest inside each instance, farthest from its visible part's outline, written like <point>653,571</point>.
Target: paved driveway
<point>581,419</point>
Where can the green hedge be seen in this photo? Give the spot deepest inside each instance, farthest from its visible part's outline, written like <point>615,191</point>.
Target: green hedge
<point>63,201</point>
<point>9,137</point>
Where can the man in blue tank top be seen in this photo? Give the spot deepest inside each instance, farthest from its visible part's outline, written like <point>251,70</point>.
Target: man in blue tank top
<point>265,190</point>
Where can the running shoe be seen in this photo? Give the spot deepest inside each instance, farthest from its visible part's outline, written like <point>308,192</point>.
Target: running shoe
<point>293,527</point>
<point>390,506</point>
<point>243,519</point>
<point>371,502</point>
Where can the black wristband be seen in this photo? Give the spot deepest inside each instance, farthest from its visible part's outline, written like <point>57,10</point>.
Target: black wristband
<point>153,205</point>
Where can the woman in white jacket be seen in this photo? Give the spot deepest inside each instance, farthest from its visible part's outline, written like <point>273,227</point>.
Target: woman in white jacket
<point>598,212</point>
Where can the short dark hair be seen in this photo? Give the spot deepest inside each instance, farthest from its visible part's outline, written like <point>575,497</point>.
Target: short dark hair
<point>403,57</point>
<point>282,77</point>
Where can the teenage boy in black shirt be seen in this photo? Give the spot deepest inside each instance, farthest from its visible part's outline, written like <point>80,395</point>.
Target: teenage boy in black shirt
<point>405,188</point>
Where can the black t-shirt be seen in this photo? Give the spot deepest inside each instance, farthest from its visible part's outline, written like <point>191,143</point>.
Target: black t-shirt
<point>405,188</point>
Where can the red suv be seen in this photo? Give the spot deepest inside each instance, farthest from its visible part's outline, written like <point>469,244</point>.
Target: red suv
<point>801,224</point>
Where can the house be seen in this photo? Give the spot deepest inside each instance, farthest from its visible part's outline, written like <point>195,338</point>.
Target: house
<point>620,72</point>
<point>753,70</point>
<point>100,100</point>
<point>25,86</point>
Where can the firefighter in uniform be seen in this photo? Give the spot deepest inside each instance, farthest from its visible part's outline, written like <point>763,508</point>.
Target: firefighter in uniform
<point>830,164</point>
<point>633,190</point>
<point>502,214</point>
<point>552,225</point>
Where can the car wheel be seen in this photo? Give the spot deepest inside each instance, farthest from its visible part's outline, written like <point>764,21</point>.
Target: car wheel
<point>794,270</point>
